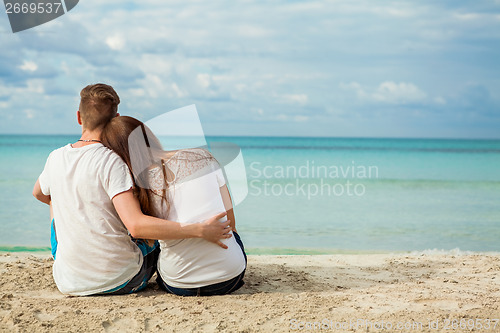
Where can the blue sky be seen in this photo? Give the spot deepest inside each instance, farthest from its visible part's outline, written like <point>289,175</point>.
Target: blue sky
<point>295,68</point>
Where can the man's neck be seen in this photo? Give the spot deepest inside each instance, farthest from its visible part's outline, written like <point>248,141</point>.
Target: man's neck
<point>88,138</point>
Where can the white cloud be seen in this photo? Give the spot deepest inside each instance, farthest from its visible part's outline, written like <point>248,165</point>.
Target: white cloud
<point>204,80</point>
<point>253,31</point>
<point>282,117</point>
<point>300,99</point>
<point>154,64</point>
<point>30,114</point>
<point>300,119</point>
<point>178,92</point>
<point>31,88</point>
<point>115,43</point>
<point>241,87</point>
<point>306,6</point>
<point>285,118</point>
<point>29,66</point>
<point>396,93</point>
<point>388,92</point>
<point>354,86</point>
<point>395,11</point>
<point>137,92</point>
<point>467,16</point>
<point>440,100</point>
<point>158,87</point>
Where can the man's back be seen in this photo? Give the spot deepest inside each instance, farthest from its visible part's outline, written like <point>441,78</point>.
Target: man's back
<point>94,252</point>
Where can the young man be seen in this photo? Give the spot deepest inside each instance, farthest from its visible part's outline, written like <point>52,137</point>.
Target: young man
<point>90,190</point>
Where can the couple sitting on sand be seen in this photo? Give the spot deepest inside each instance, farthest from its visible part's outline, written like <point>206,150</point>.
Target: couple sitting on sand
<point>115,192</point>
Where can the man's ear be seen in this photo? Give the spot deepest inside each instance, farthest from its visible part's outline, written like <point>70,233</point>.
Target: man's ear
<point>79,117</point>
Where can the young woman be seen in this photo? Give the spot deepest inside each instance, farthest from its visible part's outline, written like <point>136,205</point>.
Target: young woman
<point>186,186</point>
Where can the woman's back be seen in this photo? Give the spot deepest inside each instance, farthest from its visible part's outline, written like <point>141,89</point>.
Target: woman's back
<point>193,195</point>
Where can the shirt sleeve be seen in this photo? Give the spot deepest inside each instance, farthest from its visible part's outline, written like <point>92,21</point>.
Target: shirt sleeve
<point>44,177</point>
<point>118,178</point>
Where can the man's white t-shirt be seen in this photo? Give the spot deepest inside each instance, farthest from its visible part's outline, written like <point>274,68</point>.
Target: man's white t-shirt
<point>94,251</point>
<point>194,196</point>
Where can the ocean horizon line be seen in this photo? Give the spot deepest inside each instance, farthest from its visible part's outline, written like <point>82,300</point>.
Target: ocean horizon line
<point>292,137</point>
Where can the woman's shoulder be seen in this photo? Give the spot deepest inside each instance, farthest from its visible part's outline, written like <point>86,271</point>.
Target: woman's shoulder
<point>193,153</point>
<point>193,156</point>
<point>187,162</point>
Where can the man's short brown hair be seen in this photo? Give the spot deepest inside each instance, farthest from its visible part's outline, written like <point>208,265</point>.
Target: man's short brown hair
<point>98,105</point>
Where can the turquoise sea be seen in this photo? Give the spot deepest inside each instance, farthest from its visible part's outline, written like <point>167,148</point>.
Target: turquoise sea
<point>316,195</point>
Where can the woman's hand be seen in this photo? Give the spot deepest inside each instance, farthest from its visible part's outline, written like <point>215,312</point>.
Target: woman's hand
<point>213,230</point>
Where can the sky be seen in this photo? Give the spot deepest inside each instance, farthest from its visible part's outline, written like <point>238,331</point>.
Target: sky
<point>346,68</point>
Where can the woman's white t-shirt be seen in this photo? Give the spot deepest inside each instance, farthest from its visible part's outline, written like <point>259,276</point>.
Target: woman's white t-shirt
<point>94,251</point>
<point>194,196</point>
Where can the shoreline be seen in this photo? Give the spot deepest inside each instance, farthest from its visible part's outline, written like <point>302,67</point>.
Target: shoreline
<point>264,251</point>
<point>281,294</point>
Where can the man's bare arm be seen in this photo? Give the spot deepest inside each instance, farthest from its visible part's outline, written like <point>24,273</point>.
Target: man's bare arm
<point>148,227</point>
<point>38,194</point>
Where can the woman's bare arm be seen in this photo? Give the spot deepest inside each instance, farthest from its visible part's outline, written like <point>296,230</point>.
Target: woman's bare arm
<point>148,227</point>
<point>228,205</point>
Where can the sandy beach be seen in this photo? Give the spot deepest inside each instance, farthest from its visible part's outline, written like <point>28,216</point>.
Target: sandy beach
<point>337,293</point>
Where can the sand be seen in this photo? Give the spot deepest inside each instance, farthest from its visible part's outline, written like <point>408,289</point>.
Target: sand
<point>329,293</point>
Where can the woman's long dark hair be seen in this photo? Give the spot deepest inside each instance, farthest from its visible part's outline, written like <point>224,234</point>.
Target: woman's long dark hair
<point>117,136</point>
